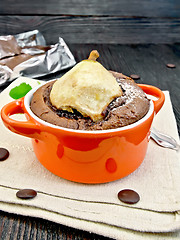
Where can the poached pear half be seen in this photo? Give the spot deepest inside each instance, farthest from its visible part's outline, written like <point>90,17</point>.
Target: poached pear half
<point>88,87</point>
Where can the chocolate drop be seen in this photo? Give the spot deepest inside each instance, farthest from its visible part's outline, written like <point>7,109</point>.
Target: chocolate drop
<point>26,193</point>
<point>4,154</point>
<point>128,196</point>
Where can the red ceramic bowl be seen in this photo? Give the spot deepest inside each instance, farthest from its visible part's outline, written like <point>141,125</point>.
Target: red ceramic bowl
<point>85,156</point>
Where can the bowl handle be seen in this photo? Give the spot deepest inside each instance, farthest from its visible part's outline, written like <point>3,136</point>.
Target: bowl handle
<point>27,128</point>
<point>156,92</point>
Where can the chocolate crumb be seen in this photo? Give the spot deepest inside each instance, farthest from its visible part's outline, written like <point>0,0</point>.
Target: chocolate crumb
<point>135,76</point>
<point>170,65</point>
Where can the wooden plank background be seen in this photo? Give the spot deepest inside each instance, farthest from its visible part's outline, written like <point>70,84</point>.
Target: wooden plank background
<point>139,8</point>
<point>83,21</point>
<point>108,26</point>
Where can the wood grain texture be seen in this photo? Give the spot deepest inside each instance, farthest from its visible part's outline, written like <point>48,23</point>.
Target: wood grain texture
<point>78,29</point>
<point>116,29</point>
<point>18,227</point>
<point>138,8</point>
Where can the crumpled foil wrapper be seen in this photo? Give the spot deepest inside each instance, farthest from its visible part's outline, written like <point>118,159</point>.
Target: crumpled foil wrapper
<point>5,74</point>
<point>57,58</point>
<point>31,38</point>
<point>43,62</point>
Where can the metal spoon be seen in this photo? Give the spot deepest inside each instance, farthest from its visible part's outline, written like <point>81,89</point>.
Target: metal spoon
<point>164,140</point>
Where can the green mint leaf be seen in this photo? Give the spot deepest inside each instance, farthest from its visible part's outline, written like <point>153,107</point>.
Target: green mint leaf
<point>20,91</point>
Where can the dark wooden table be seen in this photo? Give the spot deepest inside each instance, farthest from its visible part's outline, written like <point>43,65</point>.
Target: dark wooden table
<point>111,25</point>
<point>149,62</point>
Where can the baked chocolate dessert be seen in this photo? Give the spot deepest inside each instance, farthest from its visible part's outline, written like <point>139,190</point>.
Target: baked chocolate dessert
<point>122,111</point>
<point>89,97</point>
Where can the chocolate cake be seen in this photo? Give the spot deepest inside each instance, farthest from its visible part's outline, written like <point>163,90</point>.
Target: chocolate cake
<point>122,111</point>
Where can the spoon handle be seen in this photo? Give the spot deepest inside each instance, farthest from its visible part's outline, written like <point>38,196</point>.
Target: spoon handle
<point>164,140</point>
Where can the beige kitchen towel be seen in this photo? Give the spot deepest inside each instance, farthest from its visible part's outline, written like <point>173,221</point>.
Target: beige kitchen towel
<point>96,208</point>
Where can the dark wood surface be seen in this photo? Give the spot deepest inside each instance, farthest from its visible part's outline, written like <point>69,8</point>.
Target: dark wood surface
<point>149,62</point>
<point>132,37</point>
<point>99,29</point>
<point>26,228</point>
<point>83,21</point>
<point>138,8</point>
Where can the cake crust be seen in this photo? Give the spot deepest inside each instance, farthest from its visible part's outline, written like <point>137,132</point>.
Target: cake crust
<point>122,111</point>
